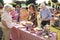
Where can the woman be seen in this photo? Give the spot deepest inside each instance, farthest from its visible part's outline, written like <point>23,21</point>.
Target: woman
<point>24,14</point>
<point>33,14</point>
<point>14,15</point>
<point>6,21</point>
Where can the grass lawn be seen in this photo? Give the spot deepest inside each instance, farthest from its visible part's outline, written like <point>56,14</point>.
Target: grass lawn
<point>55,30</point>
<point>0,24</point>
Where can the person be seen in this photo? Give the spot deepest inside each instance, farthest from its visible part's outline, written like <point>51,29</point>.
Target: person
<point>17,8</point>
<point>14,14</point>
<point>1,6</point>
<point>1,11</point>
<point>33,14</point>
<point>45,15</point>
<point>24,14</point>
<point>6,21</point>
<point>55,11</point>
<point>47,30</point>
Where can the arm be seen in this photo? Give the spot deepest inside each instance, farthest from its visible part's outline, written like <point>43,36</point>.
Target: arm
<point>49,14</point>
<point>7,24</point>
<point>3,18</point>
<point>33,19</point>
<point>35,16</point>
<point>4,23</point>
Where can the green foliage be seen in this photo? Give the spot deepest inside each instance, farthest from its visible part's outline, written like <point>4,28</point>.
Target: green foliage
<point>55,1</point>
<point>49,3</point>
<point>14,4</point>
<point>31,1</point>
<point>1,1</point>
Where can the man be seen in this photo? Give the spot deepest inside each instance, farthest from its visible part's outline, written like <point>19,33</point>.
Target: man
<point>17,8</point>
<point>6,21</point>
<point>45,15</point>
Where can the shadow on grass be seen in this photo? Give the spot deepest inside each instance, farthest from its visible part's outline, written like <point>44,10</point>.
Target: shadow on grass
<point>56,27</point>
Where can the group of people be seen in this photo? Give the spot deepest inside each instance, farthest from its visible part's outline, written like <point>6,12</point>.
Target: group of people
<point>17,14</point>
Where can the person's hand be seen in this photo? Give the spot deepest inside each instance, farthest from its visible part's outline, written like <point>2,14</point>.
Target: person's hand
<point>12,27</point>
<point>16,14</point>
<point>46,19</point>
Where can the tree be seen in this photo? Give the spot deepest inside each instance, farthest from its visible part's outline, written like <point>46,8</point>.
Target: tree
<point>1,1</point>
<point>30,1</point>
<point>49,3</point>
<point>45,3</point>
<point>55,1</point>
